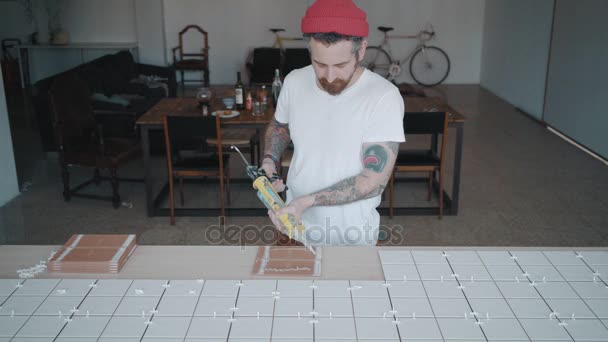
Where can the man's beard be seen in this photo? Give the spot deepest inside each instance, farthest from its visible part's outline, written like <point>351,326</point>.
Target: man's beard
<point>338,85</point>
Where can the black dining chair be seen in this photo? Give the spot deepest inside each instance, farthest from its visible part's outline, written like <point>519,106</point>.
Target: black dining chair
<point>422,160</point>
<point>189,155</point>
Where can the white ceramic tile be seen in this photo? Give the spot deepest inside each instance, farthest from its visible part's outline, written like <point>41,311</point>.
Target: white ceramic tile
<point>595,290</point>
<point>153,339</point>
<point>248,328</point>
<point>445,289</point>
<point>217,288</point>
<point>189,288</point>
<point>334,306</point>
<point>54,305</point>
<point>221,306</point>
<point>10,325</point>
<point>480,289</point>
<point>492,308</point>
<point>576,273</point>
<point>8,286</point>
<point>505,272</point>
<point>168,327</point>
<point>529,308</point>
<point>85,326</point>
<point>73,287</point>
<point>332,288</point>
<point>517,290</point>
<point>21,305</point>
<point>429,257</point>
<point>335,329</point>
<point>76,339</point>
<point>599,307</point>
<point>419,328</point>
<point>369,288</point>
<point>371,307</point>
<point>564,258</point>
<point>543,273</point>
<point>125,327</point>
<point>291,327</point>
<point>98,306</point>
<point>146,288</point>
<point>436,272</point>
<point>258,288</point>
<point>376,328</point>
<point>36,287</point>
<point>413,289</point>
<point>295,288</point>
<point>504,329</point>
<point>134,306</point>
<point>254,306</point>
<point>556,290</point>
<point>111,287</point>
<point>531,258</point>
<point>209,327</point>
<point>496,258</point>
<point>587,330</point>
<point>595,257</point>
<point>176,306</point>
<point>41,326</point>
<point>567,307</point>
<point>34,339</point>
<point>460,329</point>
<point>463,258</point>
<point>119,339</point>
<point>395,257</point>
<point>412,307</point>
<point>474,272</point>
<point>292,306</point>
<point>400,272</point>
<point>544,329</point>
<point>450,307</point>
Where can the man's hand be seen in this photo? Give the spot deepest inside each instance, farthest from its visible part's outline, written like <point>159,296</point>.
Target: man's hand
<point>295,208</point>
<point>270,169</point>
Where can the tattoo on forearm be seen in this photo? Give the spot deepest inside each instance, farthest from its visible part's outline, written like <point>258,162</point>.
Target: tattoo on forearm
<point>276,138</point>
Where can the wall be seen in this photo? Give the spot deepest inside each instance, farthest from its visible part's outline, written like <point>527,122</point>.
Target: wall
<point>8,173</point>
<point>577,88</point>
<point>235,26</point>
<point>150,28</point>
<point>515,51</point>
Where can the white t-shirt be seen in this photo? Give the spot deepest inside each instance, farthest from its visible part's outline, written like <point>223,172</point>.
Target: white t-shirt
<point>328,133</point>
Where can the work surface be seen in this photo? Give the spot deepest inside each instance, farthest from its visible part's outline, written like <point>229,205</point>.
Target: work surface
<point>424,295</point>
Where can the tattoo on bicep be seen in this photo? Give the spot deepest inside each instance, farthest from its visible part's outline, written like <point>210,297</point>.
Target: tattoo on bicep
<point>375,158</point>
<point>393,146</point>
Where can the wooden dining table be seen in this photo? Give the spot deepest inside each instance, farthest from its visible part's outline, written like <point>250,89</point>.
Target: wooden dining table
<point>153,121</point>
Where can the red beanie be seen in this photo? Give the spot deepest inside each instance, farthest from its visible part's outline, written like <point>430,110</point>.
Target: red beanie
<point>339,16</point>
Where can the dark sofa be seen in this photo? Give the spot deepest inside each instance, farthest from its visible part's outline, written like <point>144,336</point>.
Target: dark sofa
<point>108,77</point>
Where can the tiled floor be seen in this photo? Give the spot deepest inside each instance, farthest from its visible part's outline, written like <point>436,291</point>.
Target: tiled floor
<point>457,308</point>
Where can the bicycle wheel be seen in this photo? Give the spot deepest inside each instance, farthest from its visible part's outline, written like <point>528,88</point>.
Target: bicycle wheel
<point>376,60</point>
<point>429,66</point>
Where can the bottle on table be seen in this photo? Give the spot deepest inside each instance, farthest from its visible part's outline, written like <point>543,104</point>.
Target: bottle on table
<point>248,101</point>
<point>238,92</point>
<point>276,87</point>
<point>263,96</point>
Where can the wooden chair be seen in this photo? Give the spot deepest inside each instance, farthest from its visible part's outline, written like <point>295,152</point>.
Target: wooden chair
<point>246,140</point>
<point>190,61</point>
<point>188,154</point>
<point>81,140</point>
<point>426,160</point>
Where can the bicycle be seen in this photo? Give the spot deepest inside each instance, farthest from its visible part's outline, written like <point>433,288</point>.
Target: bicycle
<point>429,65</point>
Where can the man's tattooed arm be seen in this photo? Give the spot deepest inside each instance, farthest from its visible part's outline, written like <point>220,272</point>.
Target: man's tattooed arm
<point>378,160</point>
<point>276,139</point>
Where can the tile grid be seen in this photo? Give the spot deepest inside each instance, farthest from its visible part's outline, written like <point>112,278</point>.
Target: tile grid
<point>115,309</point>
<point>478,322</point>
<point>198,299</point>
<point>579,296</point>
<point>503,295</point>
<point>69,319</point>
<point>427,296</point>
<point>532,282</point>
<point>32,315</point>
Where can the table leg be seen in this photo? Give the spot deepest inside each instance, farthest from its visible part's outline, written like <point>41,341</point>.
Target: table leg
<point>145,145</point>
<point>457,167</point>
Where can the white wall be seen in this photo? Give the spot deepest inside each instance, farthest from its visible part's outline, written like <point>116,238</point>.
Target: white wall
<point>235,26</point>
<point>515,51</point>
<point>8,173</point>
<point>150,28</point>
